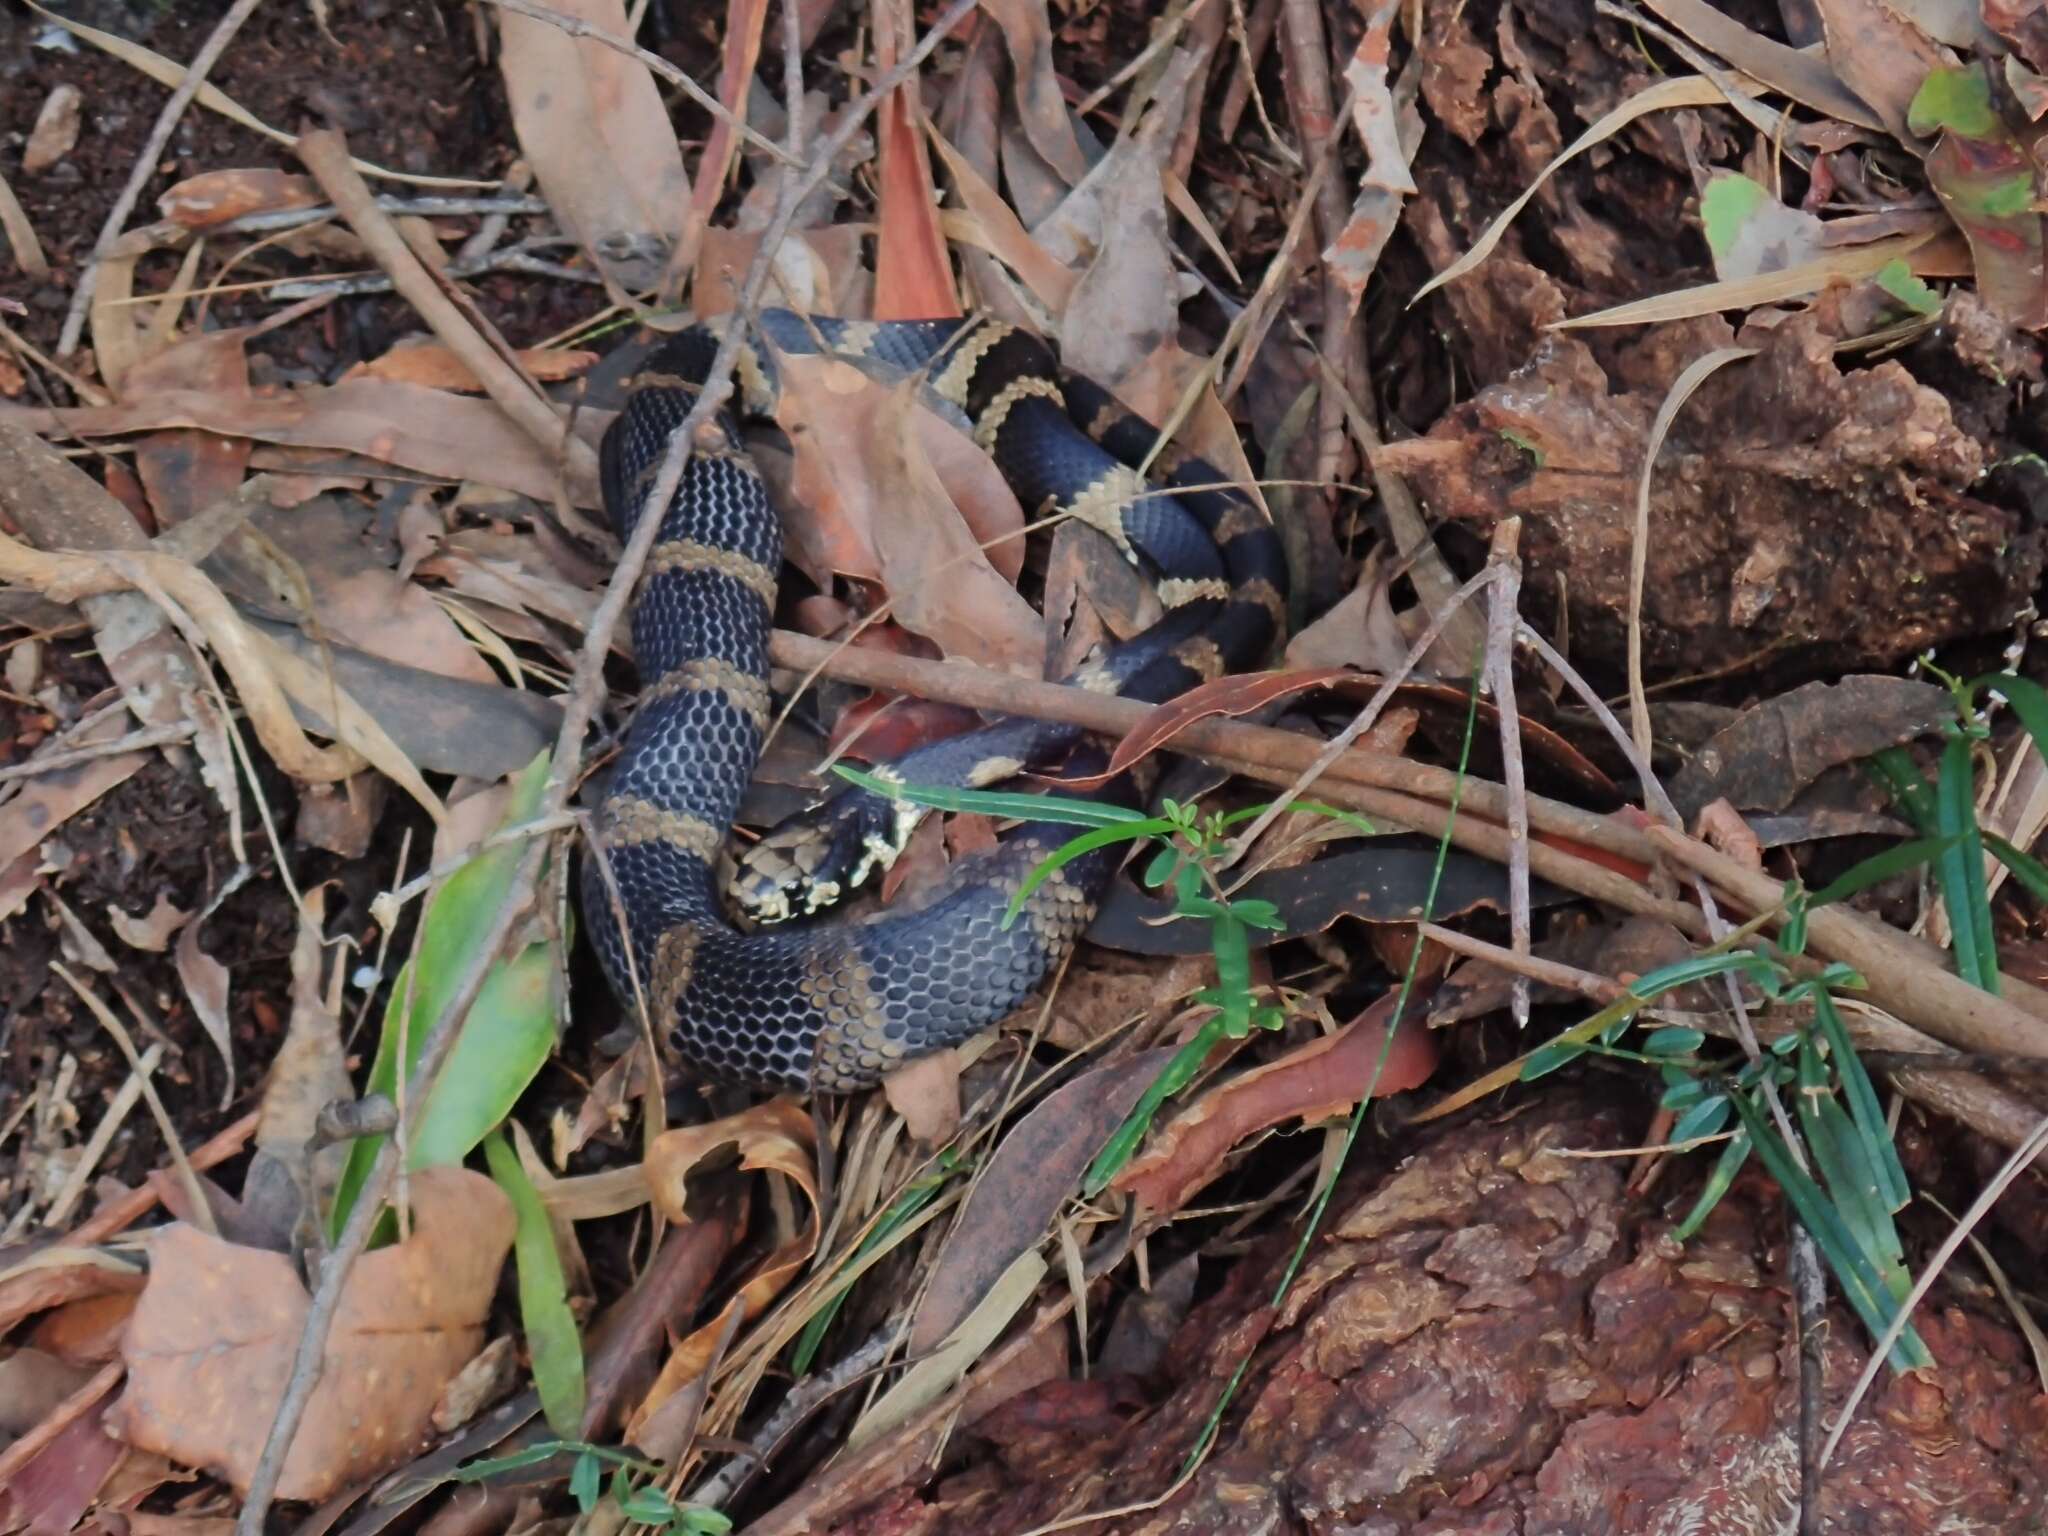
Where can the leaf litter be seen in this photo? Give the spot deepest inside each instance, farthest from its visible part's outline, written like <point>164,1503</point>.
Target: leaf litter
<point>1854,494</point>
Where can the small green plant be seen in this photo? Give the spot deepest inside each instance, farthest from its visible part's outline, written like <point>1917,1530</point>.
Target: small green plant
<point>1193,845</point>
<point>1856,1184</point>
<point>641,1504</point>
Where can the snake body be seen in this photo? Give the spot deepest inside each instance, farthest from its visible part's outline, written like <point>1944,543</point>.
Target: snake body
<point>833,1007</point>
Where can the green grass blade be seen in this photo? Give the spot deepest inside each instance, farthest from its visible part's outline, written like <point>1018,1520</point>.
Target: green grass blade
<point>1173,1077</point>
<point>2027,699</point>
<point>1880,867</point>
<point>550,1326</point>
<point>1229,941</point>
<point>995,802</point>
<point>906,1205</point>
<point>2026,869</point>
<point>1074,848</point>
<point>1895,769</point>
<point>1960,869</point>
<point>1844,1170</point>
<point>1861,1284</point>
<point>1719,1181</point>
<point>1864,1109</point>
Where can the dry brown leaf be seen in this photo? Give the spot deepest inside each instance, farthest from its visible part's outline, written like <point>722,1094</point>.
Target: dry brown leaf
<point>450,436</point>
<point>60,1275</point>
<point>816,271</point>
<point>913,275</point>
<point>205,981</point>
<point>48,800</point>
<point>592,125</point>
<point>1028,32</point>
<point>55,130</point>
<point>184,472</point>
<point>432,366</point>
<point>1003,234</point>
<point>775,1137</point>
<point>1127,302</point>
<point>214,197</point>
<point>152,931</point>
<point>1313,1082</point>
<point>1880,55</point>
<point>888,492</point>
<point>211,1342</point>
<point>926,1093</point>
<point>32,1383</point>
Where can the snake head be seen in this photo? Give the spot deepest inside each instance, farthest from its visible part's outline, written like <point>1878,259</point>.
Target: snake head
<point>814,858</point>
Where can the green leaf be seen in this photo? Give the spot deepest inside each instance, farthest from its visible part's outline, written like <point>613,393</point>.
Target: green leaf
<point>649,1506</point>
<point>1985,176</point>
<point>1232,947</point>
<point>1161,867</point>
<point>551,1337</point>
<point>1074,848</point>
<point>585,1479</point>
<point>697,1521</point>
<point>508,1034</point>
<point>1173,1077</point>
<point>1719,1182</point>
<point>1683,973</point>
<point>1684,1093</point>
<point>1880,867</point>
<point>1896,278</point>
<point>1960,869</point>
<point>1703,1119</point>
<point>1862,1286</point>
<point>1956,99</point>
<point>2027,699</point>
<point>992,802</point>
<point>1676,1041</point>
<point>1546,1059</point>
<point>1864,1109</point>
<point>1727,204</point>
<point>1895,769</point>
<point>2026,869</point>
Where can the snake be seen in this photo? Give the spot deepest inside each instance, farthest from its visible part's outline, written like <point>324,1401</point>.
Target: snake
<point>780,999</point>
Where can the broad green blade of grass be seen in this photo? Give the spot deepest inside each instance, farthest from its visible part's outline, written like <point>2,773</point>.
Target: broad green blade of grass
<point>1862,1286</point>
<point>995,802</point>
<point>1864,1109</point>
<point>1719,1182</point>
<point>1895,769</point>
<point>506,1037</point>
<point>1838,1156</point>
<point>1959,869</point>
<point>1076,847</point>
<point>552,1341</point>
<point>1880,867</point>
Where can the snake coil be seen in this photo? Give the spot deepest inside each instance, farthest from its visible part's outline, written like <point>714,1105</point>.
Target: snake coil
<point>834,1007</point>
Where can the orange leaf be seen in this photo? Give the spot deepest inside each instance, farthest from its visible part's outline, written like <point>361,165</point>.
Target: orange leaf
<point>1319,1081</point>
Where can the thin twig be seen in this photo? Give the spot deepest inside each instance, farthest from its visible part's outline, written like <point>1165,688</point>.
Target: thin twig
<point>146,164</point>
<point>134,741</point>
<point>1500,673</point>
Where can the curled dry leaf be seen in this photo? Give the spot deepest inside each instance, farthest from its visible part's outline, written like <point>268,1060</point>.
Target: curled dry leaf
<point>1317,1081</point>
<point>210,1345</point>
<point>214,197</point>
<point>55,132</point>
<point>776,1137</point>
<point>152,931</point>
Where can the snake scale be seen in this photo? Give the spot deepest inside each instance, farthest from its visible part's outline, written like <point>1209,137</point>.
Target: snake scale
<point>833,1007</point>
